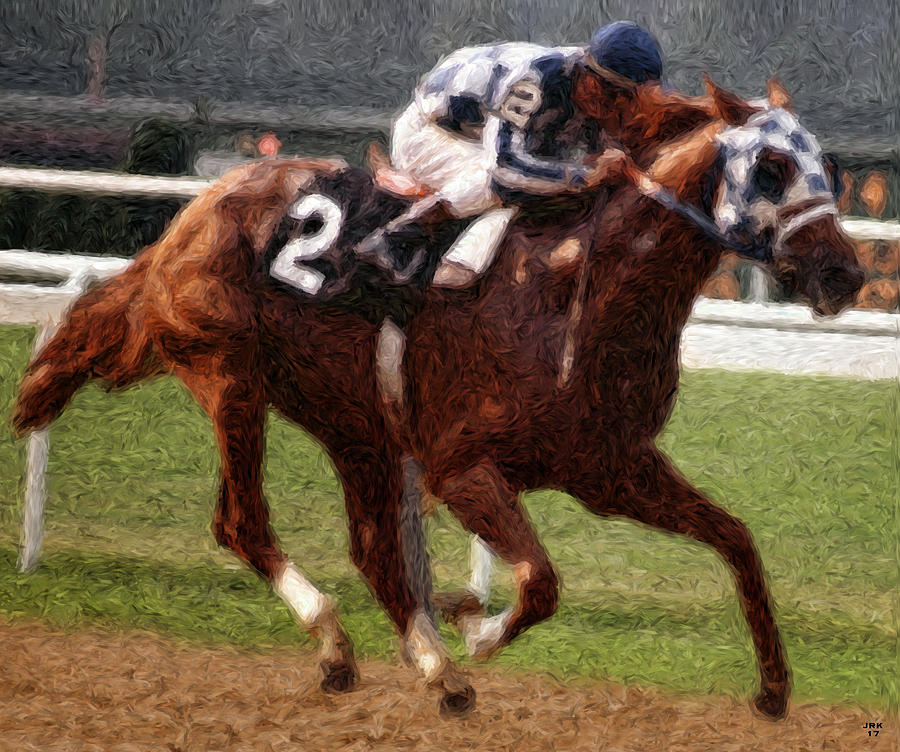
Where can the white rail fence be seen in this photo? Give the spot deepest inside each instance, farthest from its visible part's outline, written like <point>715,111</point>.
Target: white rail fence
<point>63,278</point>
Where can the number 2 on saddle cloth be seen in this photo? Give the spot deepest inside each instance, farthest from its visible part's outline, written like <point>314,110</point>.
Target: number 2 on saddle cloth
<point>312,252</point>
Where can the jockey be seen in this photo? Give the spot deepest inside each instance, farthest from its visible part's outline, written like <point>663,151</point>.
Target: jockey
<point>488,120</point>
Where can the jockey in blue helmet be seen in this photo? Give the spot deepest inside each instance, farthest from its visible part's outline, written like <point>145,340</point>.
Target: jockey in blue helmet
<point>629,50</point>
<point>484,122</point>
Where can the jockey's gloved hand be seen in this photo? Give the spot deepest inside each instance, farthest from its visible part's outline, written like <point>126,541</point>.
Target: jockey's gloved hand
<point>610,166</point>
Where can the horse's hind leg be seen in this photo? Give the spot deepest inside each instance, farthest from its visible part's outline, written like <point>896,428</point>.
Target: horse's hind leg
<point>238,409</point>
<point>488,506</point>
<point>471,600</point>
<point>651,490</point>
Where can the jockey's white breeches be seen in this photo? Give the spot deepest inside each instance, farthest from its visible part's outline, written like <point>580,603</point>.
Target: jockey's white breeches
<point>457,168</point>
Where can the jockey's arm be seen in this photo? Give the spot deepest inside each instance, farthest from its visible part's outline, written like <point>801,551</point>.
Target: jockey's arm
<point>521,171</point>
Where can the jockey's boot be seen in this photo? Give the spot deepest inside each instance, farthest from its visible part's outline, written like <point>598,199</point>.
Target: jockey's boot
<point>474,250</point>
<point>399,248</point>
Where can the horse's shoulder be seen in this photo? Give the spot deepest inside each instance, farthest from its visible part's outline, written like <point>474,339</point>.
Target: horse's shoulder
<point>547,243</point>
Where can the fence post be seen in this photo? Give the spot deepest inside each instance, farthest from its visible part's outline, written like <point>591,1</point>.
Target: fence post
<point>35,480</point>
<point>759,285</point>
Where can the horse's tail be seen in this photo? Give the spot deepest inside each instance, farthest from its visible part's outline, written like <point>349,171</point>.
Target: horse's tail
<point>102,338</point>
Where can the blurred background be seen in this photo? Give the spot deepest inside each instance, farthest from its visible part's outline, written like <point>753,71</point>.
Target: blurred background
<point>163,87</point>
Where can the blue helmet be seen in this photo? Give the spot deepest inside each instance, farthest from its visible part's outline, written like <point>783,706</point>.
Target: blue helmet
<point>629,50</point>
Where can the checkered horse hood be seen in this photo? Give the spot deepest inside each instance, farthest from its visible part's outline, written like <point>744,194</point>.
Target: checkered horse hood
<point>741,203</point>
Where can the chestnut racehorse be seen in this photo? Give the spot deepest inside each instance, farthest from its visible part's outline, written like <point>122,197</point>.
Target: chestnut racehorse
<point>557,370</point>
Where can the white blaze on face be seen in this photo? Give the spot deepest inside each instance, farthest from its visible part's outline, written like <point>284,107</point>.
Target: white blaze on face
<point>287,267</point>
<point>303,599</point>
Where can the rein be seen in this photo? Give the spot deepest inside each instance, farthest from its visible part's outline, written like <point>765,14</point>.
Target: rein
<point>753,251</point>
<point>573,318</point>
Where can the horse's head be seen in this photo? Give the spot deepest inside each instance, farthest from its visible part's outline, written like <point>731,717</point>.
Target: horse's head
<point>765,182</point>
<point>778,188</point>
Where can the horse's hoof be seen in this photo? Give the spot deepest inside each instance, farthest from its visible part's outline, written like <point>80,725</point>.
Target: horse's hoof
<point>339,676</point>
<point>456,604</point>
<point>772,702</point>
<point>457,695</point>
<point>458,698</point>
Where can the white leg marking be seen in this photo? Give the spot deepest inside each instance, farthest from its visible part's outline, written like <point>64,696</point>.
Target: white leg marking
<point>483,633</point>
<point>388,361</point>
<point>481,562</point>
<point>425,646</point>
<point>301,596</point>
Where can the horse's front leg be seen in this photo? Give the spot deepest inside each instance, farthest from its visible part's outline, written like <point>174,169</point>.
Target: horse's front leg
<point>487,505</point>
<point>453,604</point>
<point>238,410</point>
<point>650,490</point>
<point>388,547</point>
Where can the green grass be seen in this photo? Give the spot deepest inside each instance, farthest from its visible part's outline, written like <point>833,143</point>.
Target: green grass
<point>810,465</point>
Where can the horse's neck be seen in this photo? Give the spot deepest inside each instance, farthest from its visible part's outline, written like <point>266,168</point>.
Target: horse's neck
<point>643,272</point>
<point>647,270</point>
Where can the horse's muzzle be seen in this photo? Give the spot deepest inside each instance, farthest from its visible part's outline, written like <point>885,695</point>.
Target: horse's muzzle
<point>838,288</point>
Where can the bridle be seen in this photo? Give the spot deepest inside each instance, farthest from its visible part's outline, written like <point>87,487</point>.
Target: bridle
<point>801,219</point>
<point>816,205</point>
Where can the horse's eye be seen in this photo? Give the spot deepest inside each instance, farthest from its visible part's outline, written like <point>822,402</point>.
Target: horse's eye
<point>771,177</point>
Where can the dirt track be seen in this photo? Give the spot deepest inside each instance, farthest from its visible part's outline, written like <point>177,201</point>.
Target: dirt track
<point>106,691</point>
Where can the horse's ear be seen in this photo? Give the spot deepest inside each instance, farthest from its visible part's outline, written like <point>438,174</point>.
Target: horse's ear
<point>778,95</point>
<point>728,106</point>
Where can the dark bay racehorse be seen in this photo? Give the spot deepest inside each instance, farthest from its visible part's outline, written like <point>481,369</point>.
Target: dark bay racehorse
<point>558,370</point>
